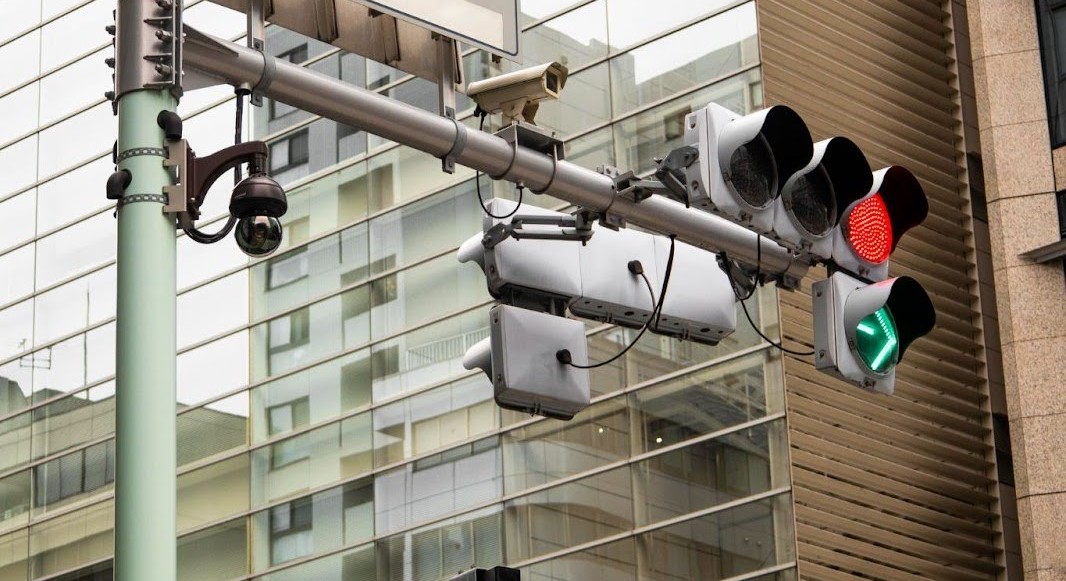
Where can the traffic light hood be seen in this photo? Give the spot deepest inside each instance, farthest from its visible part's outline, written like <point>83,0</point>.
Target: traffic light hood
<point>776,136</point>
<point>912,311</point>
<point>904,199</point>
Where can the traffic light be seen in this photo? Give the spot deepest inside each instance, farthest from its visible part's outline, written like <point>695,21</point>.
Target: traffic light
<point>864,321</point>
<point>862,330</point>
<point>813,199</point>
<point>871,226</point>
<point>744,161</point>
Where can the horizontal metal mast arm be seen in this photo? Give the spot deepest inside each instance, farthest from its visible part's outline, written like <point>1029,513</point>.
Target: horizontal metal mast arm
<point>397,121</point>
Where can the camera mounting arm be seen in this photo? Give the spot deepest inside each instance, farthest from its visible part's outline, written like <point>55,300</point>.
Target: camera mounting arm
<point>196,175</point>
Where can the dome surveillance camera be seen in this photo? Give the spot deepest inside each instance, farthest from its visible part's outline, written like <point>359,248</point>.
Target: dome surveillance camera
<point>258,235</point>
<point>257,203</point>
<point>258,195</point>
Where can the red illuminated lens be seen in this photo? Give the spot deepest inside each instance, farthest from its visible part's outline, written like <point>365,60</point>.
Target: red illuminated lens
<point>870,230</point>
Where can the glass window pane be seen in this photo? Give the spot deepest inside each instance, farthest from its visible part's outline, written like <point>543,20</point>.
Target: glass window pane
<point>72,539</point>
<point>17,213</point>
<point>14,435</point>
<point>310,333</point>
<point>549,450</point>
<point>213,429</point>
<point>310,271</point>
<point>312,459</point>
<point>712,472</point>
<point>19,16</point>
<point>655,132</point>
<point>312,524</point>
<point>90,75</point>
<point>17,281</point>
<point>74,420</point>
<point>711,49</point>
<point>573,39</point>
<point>76,249</point>
<point>437,485</point>
<point>631,22</point>
<point>75,305</point>
<point>25,102</point>
<point>67,479</point>
<point>19,161</point>
<point>428,355</point>
<point>734,542</point>
<point>571,514</point>
<point>215,368</point>
<point>329,389</point>
<point>702,402</point>
<point>14,565</point>
<point>22,61</point>
<point>72,194</point>
<point>14,503</point>
<point>16,328</point>
<point>357,563</point>
<point>426,227</point>
<point>76,140</point>
<point>616,561</point>
<point>198,262</point>
<point>212,309</point>
<point>213,492</point>
<point>403,174</point>
<point>220,552</point>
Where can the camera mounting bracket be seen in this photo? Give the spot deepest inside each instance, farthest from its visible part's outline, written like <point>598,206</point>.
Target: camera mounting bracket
<point>196,175</point>
<point>574,228</point>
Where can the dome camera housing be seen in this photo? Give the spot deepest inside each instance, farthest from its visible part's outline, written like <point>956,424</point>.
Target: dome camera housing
<point>258,195</point>
<point>258,235</point>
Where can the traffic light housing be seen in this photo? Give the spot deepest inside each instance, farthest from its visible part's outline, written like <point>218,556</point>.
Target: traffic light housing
<point>744,161</point>
<point>862,330</point>
<point>871,226</point>
<point>812,200</point>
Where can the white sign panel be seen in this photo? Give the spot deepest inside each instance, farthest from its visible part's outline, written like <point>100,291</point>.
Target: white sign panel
<point>491,25</point>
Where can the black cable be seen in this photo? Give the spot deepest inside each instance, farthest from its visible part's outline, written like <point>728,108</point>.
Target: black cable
<point>744,306</point>
<point>192,232</point>
<point>654,313</point>
<point>477,179</point>
<point>767,339</point>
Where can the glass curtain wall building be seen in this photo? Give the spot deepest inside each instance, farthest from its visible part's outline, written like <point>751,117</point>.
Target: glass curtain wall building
<point>326,427</point>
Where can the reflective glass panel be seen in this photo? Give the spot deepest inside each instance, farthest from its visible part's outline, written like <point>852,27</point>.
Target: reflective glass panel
<point>570,514</point>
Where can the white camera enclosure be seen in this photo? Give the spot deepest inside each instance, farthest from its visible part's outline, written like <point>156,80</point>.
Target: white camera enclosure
<point>609,291</point>
<point>744,161</point>
<point>525,374</point>
<point>699,304</point>
<point>550,267</point>
<point>512,93</point>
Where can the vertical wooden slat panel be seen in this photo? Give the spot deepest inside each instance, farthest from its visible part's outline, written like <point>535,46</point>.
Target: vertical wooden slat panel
<point>915,466</point>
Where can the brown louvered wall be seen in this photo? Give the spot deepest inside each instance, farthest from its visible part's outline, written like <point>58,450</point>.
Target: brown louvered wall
<point>894,487</point>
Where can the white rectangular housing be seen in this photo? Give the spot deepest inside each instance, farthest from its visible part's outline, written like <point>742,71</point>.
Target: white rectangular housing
<point>699,304</point>
<point>609,290</point>
<point>526,375</point>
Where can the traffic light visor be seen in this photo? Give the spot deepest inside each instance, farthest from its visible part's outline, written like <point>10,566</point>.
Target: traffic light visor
<point>904,199</point>
<point>882,319</point>
<point>756,152</point>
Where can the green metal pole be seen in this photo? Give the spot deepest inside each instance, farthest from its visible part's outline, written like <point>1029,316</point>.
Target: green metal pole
<point>145,481</point>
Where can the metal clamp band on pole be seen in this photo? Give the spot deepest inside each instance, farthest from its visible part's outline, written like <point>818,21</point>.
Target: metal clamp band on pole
<point>134,198</point>
<point>460,140</point>
<point>266,78</point>
<point>136,151</point>
<point>485,152</point>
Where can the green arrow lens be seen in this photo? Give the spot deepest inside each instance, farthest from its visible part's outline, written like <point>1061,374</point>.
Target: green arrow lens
<point>877,342</point>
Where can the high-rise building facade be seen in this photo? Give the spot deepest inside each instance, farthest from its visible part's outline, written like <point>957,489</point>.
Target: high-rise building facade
<point>326,426</point>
